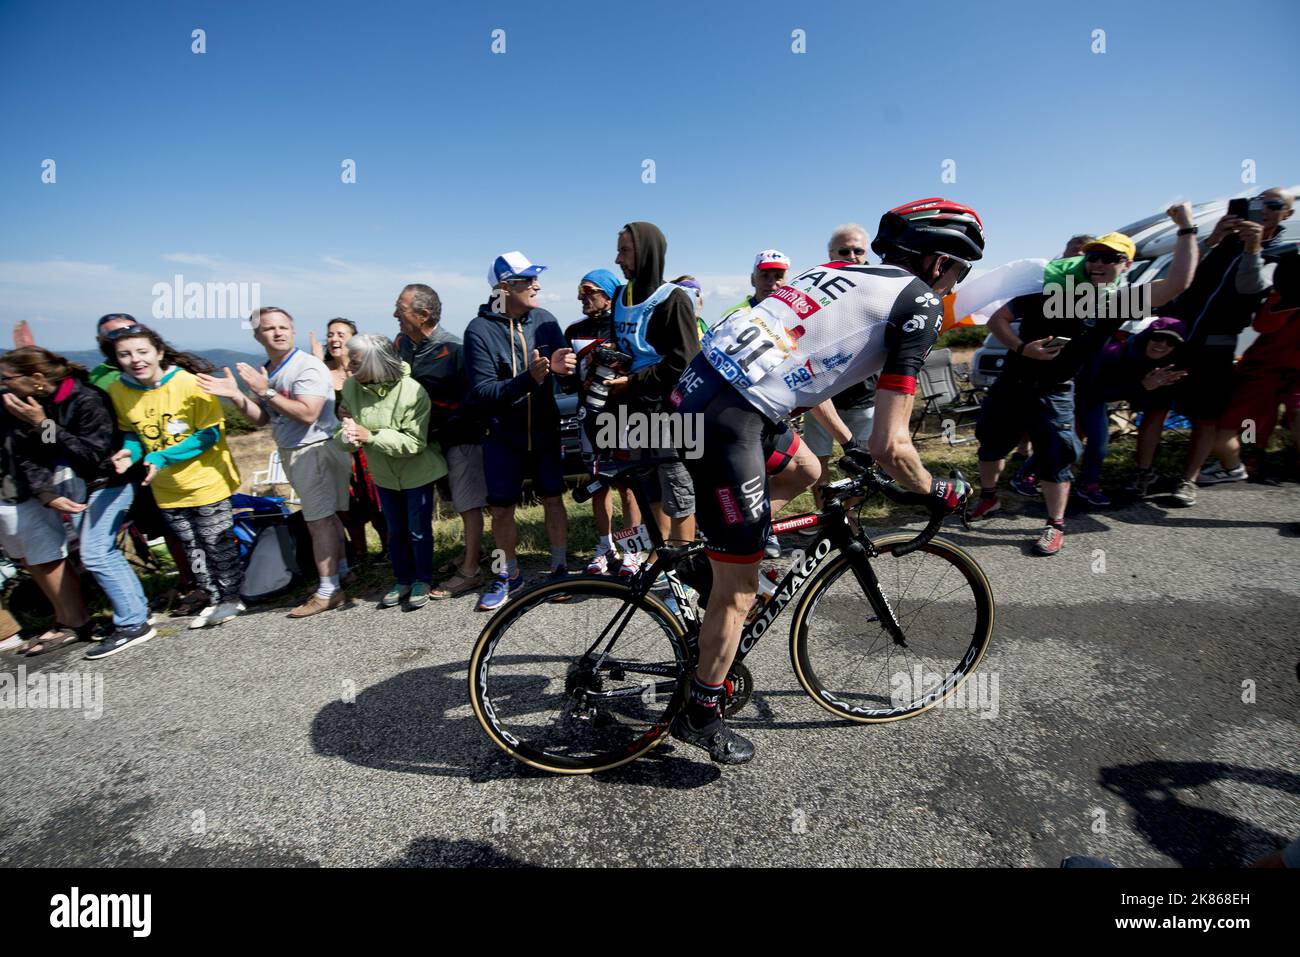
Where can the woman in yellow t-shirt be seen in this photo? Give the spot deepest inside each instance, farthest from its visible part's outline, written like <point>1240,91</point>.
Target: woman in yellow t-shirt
<point>179,430</point>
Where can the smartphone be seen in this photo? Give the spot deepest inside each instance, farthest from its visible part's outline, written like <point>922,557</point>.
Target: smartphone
<point>1057,341</point>
<point>1239,208</point>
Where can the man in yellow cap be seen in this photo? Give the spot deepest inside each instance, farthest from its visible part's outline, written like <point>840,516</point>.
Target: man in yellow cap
<point>1034,394</point>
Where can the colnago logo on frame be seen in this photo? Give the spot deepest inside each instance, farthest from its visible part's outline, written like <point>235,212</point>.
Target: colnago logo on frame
<point>77,910</point>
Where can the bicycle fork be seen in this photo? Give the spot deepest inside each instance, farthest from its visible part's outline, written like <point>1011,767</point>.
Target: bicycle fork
<point>860,561</point>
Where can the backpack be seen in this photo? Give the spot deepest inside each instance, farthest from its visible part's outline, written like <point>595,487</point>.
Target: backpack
<point>274,545</point>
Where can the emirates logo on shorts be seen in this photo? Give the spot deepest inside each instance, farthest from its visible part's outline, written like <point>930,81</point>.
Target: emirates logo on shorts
<point>731,513</point>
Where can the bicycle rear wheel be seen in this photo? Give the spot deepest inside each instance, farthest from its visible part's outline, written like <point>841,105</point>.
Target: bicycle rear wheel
<point>851,666</point>
<point>553,696</point>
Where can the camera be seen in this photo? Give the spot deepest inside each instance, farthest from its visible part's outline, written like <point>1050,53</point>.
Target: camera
<point>606,363</point>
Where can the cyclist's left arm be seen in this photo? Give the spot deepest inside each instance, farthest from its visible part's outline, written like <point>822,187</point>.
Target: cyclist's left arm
<point>829,419</point>
<point>912,328</point>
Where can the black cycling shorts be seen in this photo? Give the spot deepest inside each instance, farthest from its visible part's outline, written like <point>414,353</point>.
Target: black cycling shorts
<point>740,448</point>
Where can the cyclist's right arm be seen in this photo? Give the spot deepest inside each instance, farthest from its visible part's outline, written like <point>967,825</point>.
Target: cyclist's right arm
<point>912,328</point>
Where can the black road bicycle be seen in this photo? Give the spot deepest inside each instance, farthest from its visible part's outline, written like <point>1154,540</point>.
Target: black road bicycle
<point>586,674</point>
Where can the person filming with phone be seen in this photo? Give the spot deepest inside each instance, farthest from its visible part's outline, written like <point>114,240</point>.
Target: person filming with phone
<point>1034,394</point>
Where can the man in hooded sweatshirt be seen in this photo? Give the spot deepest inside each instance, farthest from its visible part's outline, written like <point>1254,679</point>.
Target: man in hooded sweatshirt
<point>654,323</point>
<point>511,350</point>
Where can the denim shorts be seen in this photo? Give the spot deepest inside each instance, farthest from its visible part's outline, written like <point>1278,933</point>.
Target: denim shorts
<point>1012,410</point>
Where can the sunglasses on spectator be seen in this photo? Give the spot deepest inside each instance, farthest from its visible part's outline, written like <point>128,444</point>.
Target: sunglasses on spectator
<point>1110,257</point>
<point>124,331</point>
<point>1166,340</point>
<point>524,281</point>
<point>1273,204</point>
<point>850,250</point>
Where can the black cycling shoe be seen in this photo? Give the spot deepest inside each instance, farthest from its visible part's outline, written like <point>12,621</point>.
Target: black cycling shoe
<point>723,744</point>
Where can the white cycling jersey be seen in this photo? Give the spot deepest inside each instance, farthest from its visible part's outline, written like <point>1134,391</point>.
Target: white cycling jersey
<point>826,329</point>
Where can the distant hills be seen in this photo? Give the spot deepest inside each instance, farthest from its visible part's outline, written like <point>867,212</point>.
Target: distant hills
<point>218,357</point>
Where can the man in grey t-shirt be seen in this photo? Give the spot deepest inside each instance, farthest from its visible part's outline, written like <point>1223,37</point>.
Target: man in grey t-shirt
<point>293,392</point>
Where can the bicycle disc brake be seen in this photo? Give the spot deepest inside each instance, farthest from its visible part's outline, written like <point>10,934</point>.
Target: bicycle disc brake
<point>740,687</point>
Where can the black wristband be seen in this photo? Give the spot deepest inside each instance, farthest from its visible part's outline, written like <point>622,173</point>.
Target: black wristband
<point>1187,230</point>
<point>1020,349</point>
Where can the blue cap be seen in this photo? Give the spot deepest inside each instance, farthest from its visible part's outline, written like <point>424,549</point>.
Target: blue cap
<point>604,279</point>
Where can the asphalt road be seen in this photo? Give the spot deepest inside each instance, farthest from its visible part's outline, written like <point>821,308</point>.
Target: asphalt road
<point>1147,713</point>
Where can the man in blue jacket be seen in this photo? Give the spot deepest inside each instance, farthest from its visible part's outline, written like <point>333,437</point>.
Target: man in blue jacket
<point>511,350</point>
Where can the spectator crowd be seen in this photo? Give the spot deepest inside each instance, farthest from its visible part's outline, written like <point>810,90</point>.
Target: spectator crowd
<point>372,428</point>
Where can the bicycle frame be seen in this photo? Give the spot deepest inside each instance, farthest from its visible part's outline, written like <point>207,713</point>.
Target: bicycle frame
<point>837,534</point>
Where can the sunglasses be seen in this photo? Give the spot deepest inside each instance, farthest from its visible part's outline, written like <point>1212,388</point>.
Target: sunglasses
<point>524,281</point>
<point>846,251</point>
<point>965,266</point>
<point>124,331</point>
<point>1105,256</point>
<point>1166,340</point>
<point>1274,204</point>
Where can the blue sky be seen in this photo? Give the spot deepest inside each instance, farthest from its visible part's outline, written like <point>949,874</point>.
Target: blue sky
<point>226,166</point>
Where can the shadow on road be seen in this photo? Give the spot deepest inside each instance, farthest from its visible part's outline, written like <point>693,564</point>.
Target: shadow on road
<point>1196,836</point>
<point>420,722</point>
<point>436,852</point>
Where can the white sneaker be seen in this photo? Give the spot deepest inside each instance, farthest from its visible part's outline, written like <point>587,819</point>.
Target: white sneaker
<point>1220,474</point>
<point>201,619</point>
<point>630,566</point>
<point>599,565</point>
<point>226,611</point>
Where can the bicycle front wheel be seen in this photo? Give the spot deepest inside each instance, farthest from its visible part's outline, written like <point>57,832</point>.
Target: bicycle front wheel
<point>849,663</point>
<point>552,689</point>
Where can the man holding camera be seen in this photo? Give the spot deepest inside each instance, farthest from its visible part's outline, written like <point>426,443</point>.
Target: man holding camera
<point>511,350</point>
<point>592,339</point>
<point>654,324</point>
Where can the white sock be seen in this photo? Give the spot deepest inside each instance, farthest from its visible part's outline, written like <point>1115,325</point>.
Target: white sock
<point>328,586</point>
<point>605,543</point>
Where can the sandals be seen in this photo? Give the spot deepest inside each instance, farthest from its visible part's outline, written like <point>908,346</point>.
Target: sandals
<point>51,640</point>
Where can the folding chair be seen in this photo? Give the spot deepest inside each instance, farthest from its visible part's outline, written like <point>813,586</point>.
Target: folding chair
<point>943,395</point>
<point>274,474</point>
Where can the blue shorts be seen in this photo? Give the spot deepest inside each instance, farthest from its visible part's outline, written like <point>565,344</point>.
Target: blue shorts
<point>1012,410</point>
<point>506,467</point>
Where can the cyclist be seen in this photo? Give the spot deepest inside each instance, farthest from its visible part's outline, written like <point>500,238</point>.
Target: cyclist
<point>828,328</point>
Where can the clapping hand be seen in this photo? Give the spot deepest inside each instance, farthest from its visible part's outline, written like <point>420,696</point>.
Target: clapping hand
<point>539,366</point>
<point>354,432</point>
<point>224,386</point>
<point>563,361</point>
<point>256,379</point>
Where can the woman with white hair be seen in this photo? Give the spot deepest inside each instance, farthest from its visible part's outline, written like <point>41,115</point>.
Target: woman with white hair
<point>388,417</point>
